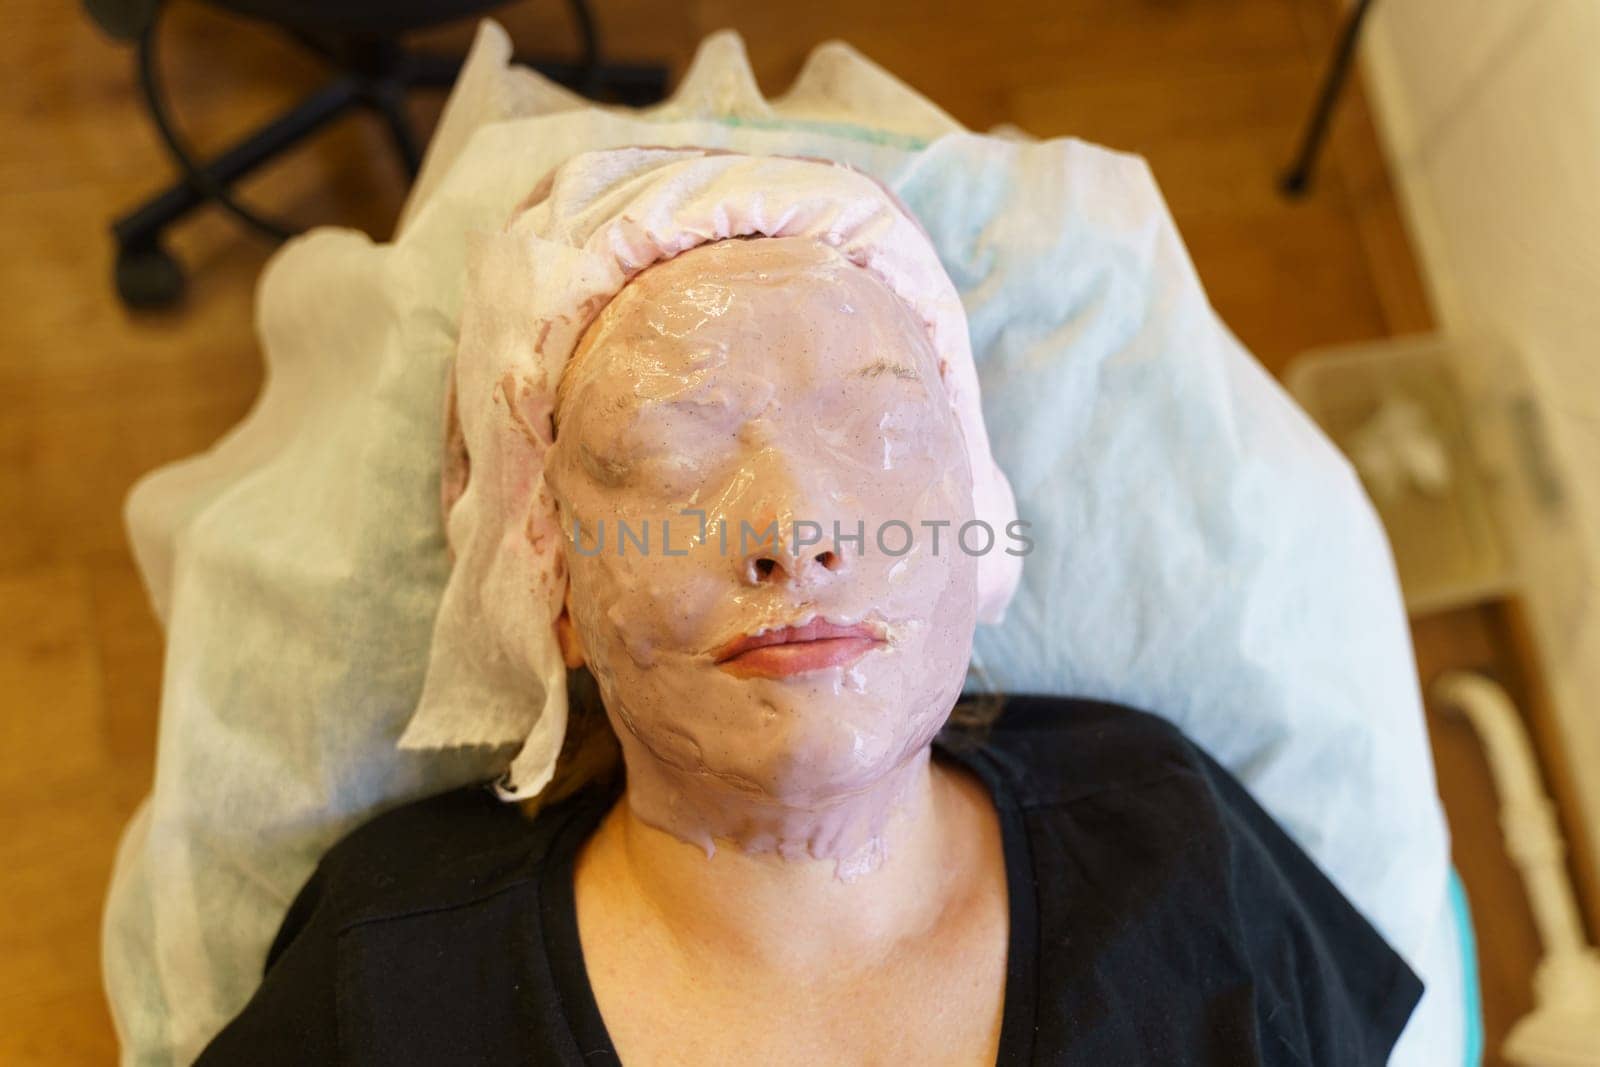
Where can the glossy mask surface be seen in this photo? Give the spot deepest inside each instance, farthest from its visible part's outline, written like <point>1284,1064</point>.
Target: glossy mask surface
<point>766,381</point>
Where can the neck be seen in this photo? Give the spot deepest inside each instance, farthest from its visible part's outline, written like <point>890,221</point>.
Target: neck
<point>848,829</point>
<point>855,906</point>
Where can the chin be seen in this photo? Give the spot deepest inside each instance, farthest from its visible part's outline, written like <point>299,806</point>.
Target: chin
<point>814,752</point>
<point>802,740</point>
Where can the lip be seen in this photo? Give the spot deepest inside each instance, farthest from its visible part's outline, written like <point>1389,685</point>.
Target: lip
<point>784,651</point>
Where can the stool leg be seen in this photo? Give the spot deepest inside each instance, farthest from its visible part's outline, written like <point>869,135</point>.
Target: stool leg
<point>1297,179</point>
<point>388,98</point>
<point>145,274</point>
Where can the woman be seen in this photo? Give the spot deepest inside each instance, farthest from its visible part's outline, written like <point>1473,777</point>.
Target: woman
<point>747,491</point>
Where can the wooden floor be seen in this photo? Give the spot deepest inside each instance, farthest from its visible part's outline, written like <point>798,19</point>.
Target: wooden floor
<point>91,397</point>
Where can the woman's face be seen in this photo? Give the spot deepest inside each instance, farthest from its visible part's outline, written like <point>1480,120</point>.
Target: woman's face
<point>737,391</point>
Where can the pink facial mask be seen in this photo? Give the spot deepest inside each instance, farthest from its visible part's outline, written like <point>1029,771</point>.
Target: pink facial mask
<point>727,414</point>
<point>532,290</point>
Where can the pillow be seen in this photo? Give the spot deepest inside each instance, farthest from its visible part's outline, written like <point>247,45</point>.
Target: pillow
<point>1202,551</point>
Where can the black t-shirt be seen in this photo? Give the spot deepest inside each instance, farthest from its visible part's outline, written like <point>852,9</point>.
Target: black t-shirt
<point>1158,916</point>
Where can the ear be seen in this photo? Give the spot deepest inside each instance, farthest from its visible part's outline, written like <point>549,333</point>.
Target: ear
<point>567,636</point>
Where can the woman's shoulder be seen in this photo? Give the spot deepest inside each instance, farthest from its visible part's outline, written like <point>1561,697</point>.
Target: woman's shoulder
<point>442,851</point>
<point>1058,750</point>
<point>1156,856</point>
<point>404,940</point>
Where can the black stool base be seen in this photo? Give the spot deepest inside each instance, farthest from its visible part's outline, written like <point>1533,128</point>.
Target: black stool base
<point>147,276</point>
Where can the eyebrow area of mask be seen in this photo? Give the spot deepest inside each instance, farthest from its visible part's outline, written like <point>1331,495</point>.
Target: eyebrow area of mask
<point>703,395</point>
<point>883,366</point>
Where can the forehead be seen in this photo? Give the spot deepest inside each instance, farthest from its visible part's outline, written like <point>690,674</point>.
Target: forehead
<point>708,284</point>
<point>781,310</point>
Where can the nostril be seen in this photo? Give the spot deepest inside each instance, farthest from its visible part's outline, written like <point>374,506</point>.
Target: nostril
<point>769,568</point>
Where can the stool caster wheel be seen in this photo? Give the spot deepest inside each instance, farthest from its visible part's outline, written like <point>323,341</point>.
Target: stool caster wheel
<point>1294,184</point>
<point>148,277</point>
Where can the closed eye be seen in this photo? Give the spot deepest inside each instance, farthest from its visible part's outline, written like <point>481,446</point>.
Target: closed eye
<point>605,470</point>
<point>878,368</point>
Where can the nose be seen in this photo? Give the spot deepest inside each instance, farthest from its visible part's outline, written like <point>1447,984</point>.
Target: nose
<point>792,504</point>
<point>796,551</point>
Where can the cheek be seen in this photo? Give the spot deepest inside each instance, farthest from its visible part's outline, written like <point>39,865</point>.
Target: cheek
<point>937,582</point>
<point>633,611</point>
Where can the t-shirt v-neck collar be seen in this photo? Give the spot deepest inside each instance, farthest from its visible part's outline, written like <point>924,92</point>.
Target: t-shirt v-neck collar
<point>564,950</point>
